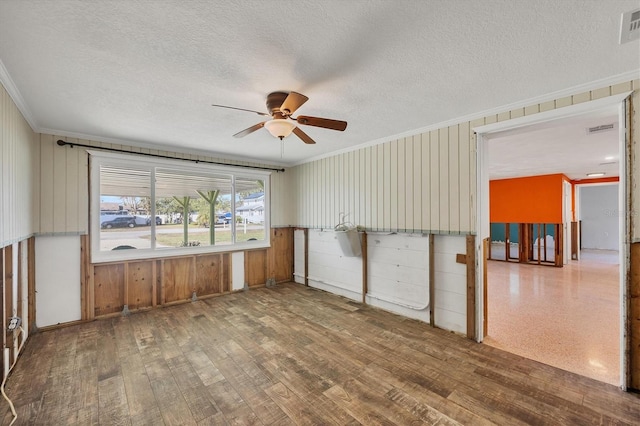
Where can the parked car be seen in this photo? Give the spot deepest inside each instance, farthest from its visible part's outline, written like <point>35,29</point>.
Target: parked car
<point>120,222</point>
<point>141,220</point>
<point>223,219</point>
<point>158,220</point>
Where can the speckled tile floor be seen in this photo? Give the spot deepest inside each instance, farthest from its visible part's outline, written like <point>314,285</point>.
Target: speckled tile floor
<point>565,317</point>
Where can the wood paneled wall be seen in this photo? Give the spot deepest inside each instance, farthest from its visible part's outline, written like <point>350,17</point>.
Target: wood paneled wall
<point>421,183</point>
<point>63,198</point>
<point>17,180</point>
<point>145,284</point>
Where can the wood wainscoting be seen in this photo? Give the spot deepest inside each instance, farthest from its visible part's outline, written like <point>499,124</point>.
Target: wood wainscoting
<point>115,287</point>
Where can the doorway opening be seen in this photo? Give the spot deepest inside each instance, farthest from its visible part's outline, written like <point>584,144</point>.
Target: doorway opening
<point>569,313</point>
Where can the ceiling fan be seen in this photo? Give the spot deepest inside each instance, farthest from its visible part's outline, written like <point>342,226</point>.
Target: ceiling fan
<point>281,106</point>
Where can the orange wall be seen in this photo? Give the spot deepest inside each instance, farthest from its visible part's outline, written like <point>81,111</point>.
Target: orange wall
<point>534,199</point>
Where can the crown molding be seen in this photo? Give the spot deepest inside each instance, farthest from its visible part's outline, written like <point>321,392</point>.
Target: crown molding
<point>17,98</point>
<point>596,84</point>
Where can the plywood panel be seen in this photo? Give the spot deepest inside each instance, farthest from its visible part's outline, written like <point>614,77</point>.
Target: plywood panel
<point>178,279</point>
<point>108,288</point>
<point>255,267</point>
<point>208,274</point>
<point>140,284</point>
<point>281,253</point>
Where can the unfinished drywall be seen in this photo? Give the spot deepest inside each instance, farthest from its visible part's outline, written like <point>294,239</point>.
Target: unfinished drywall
<point>58,280</point>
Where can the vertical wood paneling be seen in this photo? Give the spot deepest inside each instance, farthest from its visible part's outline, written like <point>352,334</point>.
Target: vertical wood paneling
<point>454,183</point>
<point>408,184</point>
<point>464,177</point>
<point>72,195</point>
<point>434,160</point>
<point>393,186</point>
<point>380,208</point>
<point>426,181</point>
<point>59,189</point>
<point>444,189</point>
<point>402,195</point>
<point>417,182</point>
<point>46,183</point>
<point>16,173</point>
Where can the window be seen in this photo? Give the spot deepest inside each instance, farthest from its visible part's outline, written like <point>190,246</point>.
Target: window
<point>155,208</point>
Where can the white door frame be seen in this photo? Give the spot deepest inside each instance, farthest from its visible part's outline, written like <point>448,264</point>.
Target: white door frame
<point>482,217</point>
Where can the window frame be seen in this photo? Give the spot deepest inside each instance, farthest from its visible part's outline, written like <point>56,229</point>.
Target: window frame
<point>99,158</point>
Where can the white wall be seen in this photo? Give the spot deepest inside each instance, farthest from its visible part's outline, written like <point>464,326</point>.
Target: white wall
<point>237,270</point>
<point>398,270</point>
<point>57,280</point>
<point>329,269</point>
<point>450,284</point>
<point>600,217</point>
<point>398,273</point>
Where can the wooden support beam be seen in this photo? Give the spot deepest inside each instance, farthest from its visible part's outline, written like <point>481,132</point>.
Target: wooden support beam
<point>432,282</point>
<point>306,257</point>
<point>365,269</point>
<point>633,317</point>
<point>8,297</point>
<point>31,282</point>
<point>471,287</point>
<point>485,326</point>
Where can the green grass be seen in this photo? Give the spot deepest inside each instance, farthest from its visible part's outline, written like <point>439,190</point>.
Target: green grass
<point>222,237</point>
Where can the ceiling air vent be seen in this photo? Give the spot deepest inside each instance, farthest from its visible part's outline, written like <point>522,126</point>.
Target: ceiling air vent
<point>601,128</point>
<point>630,26</point>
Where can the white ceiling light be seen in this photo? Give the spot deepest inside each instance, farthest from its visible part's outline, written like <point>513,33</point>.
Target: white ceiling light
<point>609,157</point>
<point>280,128</point>
<point>597,174</point>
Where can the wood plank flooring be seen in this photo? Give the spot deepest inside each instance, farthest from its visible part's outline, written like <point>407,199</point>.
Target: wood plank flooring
<point>291,355</point>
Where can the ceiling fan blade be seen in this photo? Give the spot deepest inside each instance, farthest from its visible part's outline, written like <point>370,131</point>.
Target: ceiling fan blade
<point>249,130</point>
<point>302,135</point>
<point>322,122</point>
<point>240,109</point>
<point>292,103</point>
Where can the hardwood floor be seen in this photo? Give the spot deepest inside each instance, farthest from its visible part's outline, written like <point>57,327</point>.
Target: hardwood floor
<point>291,355</point>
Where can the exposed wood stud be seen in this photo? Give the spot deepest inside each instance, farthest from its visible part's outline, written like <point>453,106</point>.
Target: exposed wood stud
<point>432,281</point>
<point>365,266</point>
<point>471,287</point>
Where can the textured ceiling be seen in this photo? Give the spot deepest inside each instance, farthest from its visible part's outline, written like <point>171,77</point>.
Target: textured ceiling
<point>146,72</point>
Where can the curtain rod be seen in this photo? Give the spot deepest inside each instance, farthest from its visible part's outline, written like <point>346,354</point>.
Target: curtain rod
<point>72,144</point>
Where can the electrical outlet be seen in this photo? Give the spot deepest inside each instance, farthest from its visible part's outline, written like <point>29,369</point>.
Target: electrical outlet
<point>14,322</point>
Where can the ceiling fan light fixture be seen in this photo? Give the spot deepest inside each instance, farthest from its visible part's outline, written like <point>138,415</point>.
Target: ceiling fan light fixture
<point>280,128</point>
